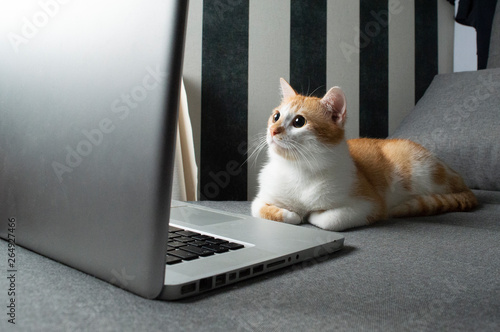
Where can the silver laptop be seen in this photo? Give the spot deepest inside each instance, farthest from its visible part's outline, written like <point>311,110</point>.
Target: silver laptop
<point>88,110</point>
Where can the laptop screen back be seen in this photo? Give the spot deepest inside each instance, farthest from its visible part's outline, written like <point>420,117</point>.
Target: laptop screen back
<point>88,111</point>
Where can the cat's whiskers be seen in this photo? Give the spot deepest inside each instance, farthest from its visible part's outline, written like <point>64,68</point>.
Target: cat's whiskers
<point>257,144</point>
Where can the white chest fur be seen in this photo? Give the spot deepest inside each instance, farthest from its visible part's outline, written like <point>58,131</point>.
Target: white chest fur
<point>321,184</point>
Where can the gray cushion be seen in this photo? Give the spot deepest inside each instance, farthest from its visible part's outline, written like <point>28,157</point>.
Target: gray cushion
<point>494,53</point>
<point>458,119</point>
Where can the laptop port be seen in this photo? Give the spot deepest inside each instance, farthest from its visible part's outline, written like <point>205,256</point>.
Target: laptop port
<point>232,276</point>
<point>258,268</point>
<point>205,284</point>
<point>220,280</point>
<point>276,263</point>
<point>244,273</point>
<point>188,288</point>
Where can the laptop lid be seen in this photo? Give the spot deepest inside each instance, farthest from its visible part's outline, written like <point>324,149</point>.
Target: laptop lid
<point>88,112</point>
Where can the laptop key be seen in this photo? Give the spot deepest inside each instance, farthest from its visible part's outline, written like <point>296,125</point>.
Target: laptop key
<point>176,244</point>
<point>187,233</point>
<point>201,237</point>
<point>232,245</point>
<point>172,235</point>
<point>183,254</point>
<point>173,260</point>
<point>198,243</point>
<point>183,239</point>
<point>216,241</point>
<point>216,248</point>
<point>198,251</point>
<point>174,229</point>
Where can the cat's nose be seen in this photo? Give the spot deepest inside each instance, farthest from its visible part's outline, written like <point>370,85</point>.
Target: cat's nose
<point>276,131</point>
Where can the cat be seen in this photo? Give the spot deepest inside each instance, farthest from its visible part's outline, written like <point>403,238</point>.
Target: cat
<point>314,174</point>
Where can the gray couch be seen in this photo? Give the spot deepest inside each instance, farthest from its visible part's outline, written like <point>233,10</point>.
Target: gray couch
<point>418,274</point>
<point>430,273</point>
<point>421,274</point>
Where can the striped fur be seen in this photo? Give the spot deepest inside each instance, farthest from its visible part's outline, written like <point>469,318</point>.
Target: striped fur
<point>314,174</point>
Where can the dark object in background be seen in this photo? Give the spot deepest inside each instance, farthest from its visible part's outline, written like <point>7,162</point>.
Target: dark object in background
<point>478,14</point>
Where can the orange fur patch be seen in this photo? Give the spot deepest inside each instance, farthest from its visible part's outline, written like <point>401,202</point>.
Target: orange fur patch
<point>379,161</point>
<point>439,175</point>
<point>436,204</point>
<point>372,163</point>
<point>271,212</point>
<point>456,183</point>
<point>401,154</point>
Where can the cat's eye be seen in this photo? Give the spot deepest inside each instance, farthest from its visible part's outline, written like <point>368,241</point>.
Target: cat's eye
<point>276,116</point>
<point>299,121</point>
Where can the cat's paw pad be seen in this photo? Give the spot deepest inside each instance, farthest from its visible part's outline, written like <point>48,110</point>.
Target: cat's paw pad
<point>291,217</point>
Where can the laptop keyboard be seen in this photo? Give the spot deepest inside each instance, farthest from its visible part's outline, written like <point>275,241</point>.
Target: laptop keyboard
<point>184,245</point>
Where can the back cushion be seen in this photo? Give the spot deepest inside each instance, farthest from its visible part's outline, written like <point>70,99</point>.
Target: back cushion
<point>494,54</point>
<point>458,119</point>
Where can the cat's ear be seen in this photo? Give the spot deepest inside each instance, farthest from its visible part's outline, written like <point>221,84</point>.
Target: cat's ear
<point>286,89</point>
<point>335,103</point>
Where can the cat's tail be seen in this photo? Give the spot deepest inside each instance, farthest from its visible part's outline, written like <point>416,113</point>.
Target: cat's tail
<point>435,204</point>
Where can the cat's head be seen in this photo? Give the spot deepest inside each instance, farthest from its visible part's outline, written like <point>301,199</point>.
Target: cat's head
<point>301,126</point>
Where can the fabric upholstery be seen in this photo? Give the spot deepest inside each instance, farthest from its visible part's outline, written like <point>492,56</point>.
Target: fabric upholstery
<point>494,56</point>
<point>459,120</point>
<point>419,274</point>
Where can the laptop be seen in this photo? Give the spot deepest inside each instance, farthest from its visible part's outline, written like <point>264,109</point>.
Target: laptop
<point>88,110</point>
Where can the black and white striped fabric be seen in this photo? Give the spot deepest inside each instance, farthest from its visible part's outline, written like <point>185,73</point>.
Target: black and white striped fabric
<point>383,53</point>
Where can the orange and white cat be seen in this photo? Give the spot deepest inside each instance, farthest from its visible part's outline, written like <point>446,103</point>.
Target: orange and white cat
<point>313,174</point>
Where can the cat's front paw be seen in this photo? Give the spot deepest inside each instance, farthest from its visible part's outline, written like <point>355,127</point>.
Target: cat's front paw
<point>326,220</point>
<point>337,219</point>
<point>291,217</point>
<point>264,210</point>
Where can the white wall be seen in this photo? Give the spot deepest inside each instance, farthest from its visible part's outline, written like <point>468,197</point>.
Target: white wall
<point>465,56</point>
